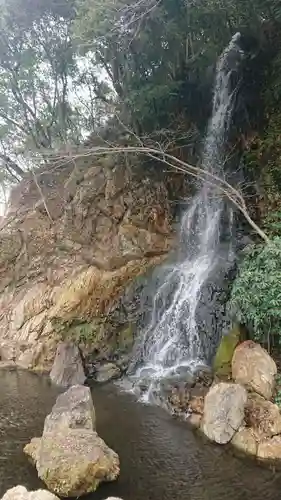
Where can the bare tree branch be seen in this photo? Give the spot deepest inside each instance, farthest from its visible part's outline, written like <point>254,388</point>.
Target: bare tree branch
<point>12,165</point>
<point>41,194</point>
<point>199,173</point>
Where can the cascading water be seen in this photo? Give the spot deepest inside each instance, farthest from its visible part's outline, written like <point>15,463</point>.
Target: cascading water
<point>172,342</point>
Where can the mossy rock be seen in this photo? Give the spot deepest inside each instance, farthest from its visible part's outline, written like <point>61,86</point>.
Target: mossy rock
<point>98,335</point>
<point>126,337</point>
<point>224,354</point>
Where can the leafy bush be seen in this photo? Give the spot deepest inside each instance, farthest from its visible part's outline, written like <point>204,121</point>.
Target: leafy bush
<point>272,223</point>
<point>277,398</point>
<point>256,293</point>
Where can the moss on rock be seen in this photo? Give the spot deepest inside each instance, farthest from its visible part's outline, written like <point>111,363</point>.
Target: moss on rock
<point>222,360</point>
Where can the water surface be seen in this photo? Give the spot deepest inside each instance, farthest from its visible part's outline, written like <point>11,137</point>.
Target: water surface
<point>161,458</point>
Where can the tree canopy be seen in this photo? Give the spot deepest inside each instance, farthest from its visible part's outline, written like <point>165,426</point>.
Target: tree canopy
<point>69,66</point>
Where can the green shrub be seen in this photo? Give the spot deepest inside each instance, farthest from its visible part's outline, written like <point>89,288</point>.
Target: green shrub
<point>256,293</point>
<point>272,223</point>
<point>277,398</point>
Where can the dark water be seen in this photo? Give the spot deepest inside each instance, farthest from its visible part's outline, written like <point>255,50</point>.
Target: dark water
<point>161,458</point>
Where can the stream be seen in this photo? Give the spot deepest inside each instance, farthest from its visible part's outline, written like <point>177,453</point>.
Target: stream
<point>161,457</point>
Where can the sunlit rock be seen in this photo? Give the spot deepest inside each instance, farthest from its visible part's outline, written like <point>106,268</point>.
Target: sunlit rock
<point>223,411</point>
<point>71,458</point>
<point>253,367</point>
<point>21,493</point>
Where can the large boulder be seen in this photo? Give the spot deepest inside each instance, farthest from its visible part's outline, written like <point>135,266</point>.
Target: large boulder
<point>73,462</point>
<point>263,416</point>
<point>70,457</point>
<point>74,409</point>
<point>253,367</point>
<point>21,493</point>
<point>68,367</point>
<point>270,449</point>
<point>223,411</point>
<point>245,441</point>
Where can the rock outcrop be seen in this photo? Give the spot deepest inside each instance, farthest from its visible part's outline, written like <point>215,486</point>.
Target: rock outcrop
<point>253,367</point>
<point>71,458</point>
<point>21,493</point>
<point>270,449</point>
<point>262,416</point>
<point>71,251</point>
<point>68,367</point>
<point>245,441</point>
<point>223,411</point>
<point>74,408</point>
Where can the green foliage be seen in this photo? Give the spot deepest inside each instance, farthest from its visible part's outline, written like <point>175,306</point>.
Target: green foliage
<point>80,331</point>
<point>47,93</point>
<point>264,154</point>
<point>256,293</point>
<point>277,398</point>
<point>158,55</point>
<point>66,67</point>
<point>272,224</point>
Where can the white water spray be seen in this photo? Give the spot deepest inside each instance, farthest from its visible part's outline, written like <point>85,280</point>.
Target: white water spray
<point>172,341</point>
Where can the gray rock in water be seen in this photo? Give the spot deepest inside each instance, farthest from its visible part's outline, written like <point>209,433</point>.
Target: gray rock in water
<point>70,457</point>
<point>68,368</point>
<point>74,409</point>
<point>223,411</point>
<point>107,372</point>
<point>21,493</point>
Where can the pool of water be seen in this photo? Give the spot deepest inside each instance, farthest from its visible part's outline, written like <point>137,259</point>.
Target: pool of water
<point>161,457</point>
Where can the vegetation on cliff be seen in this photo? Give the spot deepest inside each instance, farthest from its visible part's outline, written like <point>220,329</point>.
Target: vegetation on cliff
<point>256,294</point>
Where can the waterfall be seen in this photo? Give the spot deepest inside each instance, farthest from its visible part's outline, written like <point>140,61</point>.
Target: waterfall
<point>172,343</point>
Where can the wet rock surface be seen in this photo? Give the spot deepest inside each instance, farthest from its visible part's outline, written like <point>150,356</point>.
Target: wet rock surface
<point>106,372</point>
<point>212,317</point>
<point>68,367</point>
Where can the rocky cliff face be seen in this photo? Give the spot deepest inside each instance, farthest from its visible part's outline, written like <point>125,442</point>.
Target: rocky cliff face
<point>72,245</point>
